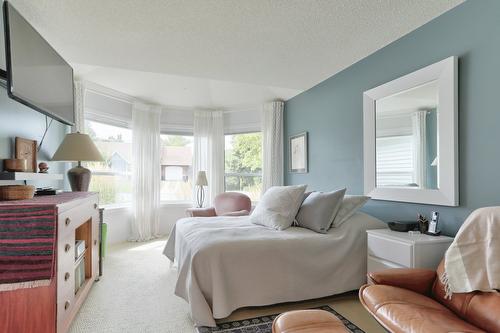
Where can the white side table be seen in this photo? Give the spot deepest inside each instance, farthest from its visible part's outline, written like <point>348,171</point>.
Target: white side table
<point>392,249</point>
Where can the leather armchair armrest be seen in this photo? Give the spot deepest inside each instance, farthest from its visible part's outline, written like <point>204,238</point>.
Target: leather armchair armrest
<point>201,212</point>
<point>417,280</point>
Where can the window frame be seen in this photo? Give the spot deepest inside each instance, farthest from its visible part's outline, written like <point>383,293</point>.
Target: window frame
<point>180,132</point>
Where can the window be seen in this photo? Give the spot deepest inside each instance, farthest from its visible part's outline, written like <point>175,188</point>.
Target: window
<point>112,177</point>
<point>176,161</point>
<point>395,161</point>
<point>243,164</point>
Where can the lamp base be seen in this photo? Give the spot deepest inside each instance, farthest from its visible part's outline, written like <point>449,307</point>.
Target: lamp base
<point>79,179</point>
<point>200,196</point>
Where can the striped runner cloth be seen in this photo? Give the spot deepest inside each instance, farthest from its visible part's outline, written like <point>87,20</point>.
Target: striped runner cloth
<point>27,245</point>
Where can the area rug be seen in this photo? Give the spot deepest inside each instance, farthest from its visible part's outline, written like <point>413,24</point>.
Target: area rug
<point>264,324</point>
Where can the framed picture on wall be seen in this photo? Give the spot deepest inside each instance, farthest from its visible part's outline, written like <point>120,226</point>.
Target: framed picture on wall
<point>26,149</point>
<point>298,153</point>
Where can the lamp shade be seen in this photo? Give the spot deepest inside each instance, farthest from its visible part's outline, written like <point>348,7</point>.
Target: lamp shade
<point>201,179</point>
<point>77,147</point>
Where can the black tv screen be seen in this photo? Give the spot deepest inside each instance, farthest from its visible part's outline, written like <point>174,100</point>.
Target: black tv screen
<point>37,75</point>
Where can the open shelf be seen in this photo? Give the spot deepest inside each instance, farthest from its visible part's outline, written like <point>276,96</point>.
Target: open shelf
<point>7,175</point>
<point>84,261</point>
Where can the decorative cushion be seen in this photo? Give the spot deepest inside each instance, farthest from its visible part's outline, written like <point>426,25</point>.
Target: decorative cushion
<point>350,204</point>
<point>278,206</point>
<point>318,210</point>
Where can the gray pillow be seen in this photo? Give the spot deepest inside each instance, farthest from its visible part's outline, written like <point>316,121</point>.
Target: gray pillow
<point>350,205</point>
<point>319,210</point>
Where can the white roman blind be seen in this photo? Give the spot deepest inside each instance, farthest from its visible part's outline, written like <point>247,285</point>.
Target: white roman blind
<point>395,161</point>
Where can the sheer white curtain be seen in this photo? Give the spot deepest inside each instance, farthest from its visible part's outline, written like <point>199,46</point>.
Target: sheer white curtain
<point>145,171</point>
<point>419,148</point>
<point>208,132</point>
<point>79,107</point>
<point>272,144</point>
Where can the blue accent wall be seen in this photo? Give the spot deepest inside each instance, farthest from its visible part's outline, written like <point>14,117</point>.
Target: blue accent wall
<point>332,112</point>
<point>19,120</point>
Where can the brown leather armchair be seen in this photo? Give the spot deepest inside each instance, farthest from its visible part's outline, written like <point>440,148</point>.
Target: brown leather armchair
<point>413,300</point>
<point>225,204</point>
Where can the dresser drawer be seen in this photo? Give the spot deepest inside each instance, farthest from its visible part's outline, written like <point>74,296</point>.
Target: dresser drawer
<point>400,253</point>
<point>65,277</point>
<point>65,305</point>
<point>72,218</point>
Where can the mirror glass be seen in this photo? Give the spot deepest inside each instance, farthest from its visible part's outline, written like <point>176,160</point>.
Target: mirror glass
<point>406,138</point>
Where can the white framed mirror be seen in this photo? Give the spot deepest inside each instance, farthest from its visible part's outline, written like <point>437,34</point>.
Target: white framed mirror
<point>411,137</point>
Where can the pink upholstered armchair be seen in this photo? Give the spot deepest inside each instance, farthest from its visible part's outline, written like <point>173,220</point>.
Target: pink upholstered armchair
<point>225,204</point>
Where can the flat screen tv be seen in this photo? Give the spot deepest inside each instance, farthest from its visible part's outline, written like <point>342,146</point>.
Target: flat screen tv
<point>37,75</point>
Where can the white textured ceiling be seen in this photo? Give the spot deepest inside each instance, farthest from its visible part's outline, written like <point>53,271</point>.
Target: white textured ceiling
<point>291,44</point>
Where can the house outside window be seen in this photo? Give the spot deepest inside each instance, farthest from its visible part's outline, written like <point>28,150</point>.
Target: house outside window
<point>243,164</point>
<point>176,168</point>
<point>112,177</point>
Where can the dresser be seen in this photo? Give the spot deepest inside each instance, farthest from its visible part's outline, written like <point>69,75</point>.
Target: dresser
<point>52,308</point>
<point>392,249</point>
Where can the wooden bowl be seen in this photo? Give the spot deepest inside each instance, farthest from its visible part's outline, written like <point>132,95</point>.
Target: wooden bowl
<point>15,164</point>
<point>17,192</point>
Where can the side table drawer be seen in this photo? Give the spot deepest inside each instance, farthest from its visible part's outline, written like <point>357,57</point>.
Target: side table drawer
<point>390,250</point>
<point>376,264</point>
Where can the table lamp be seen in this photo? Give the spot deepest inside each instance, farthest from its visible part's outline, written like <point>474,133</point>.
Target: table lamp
<point>201,180</point>
<point>78,147</point>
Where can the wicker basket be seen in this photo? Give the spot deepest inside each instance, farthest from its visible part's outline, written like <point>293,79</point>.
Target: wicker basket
<point>17,192</point>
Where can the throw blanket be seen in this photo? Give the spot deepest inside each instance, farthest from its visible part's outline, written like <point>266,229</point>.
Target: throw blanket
<point>472,261</point>
<point>226,263</point>
<point>27,245</point>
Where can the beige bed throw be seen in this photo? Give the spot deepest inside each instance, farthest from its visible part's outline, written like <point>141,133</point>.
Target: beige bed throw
<point>472,262</point>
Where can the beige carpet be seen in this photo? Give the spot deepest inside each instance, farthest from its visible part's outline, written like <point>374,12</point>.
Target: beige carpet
<point>136,294</point>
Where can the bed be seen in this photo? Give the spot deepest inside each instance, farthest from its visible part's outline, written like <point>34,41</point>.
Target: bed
<point>226,263</point>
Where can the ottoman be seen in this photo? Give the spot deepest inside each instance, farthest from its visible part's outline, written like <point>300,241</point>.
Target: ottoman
<point>308,321</point>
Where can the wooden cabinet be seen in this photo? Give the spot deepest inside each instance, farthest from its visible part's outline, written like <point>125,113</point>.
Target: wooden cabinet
<point>77,220</point>
<point>392,249</point>
<point>52,308</point>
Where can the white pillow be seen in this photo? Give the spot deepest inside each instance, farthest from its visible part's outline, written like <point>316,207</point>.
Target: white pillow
<point>278,206</point>
<point>350,205</point>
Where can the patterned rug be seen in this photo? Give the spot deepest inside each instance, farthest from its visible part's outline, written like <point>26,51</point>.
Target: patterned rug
<point>264,324</point>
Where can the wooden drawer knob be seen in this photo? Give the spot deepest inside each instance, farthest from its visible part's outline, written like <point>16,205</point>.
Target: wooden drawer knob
<point>68,221</point>
<point>66,276</point>
<point>67,247</point>
<point>66,305</point>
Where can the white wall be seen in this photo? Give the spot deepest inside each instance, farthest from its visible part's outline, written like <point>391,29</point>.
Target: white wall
<point>119,221</point>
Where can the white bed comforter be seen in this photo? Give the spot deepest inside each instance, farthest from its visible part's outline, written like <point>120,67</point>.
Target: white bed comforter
<point>226,263</point>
